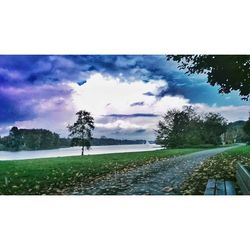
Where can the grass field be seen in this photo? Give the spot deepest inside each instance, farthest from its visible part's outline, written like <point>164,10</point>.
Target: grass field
<point>222,166</point>
<point>56,175</point>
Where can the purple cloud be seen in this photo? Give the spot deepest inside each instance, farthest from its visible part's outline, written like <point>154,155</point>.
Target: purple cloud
<point>27,102</point>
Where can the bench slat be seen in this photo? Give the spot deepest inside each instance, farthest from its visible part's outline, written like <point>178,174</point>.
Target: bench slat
<point>243,179</point>
<point>220,188</point>
<point>230,189</point>
<point>210,189</point>
<point>242,184</point>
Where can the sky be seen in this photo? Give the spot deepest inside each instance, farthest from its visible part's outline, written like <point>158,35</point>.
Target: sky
<point>126,94</point>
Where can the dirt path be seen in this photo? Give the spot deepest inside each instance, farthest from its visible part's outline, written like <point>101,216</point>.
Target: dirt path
<point>160,178</point>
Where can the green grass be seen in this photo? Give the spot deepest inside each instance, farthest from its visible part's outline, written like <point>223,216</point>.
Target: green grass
<point>222,166</point>
<point>60,175</point>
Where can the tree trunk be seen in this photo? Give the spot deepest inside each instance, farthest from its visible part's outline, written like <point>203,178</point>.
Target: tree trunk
<point>83,144</point>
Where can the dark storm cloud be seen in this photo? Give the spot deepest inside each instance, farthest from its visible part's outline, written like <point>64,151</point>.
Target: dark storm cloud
<point>78,68</point>
<point>138,131</point>
<point>125,67</point>
<point>81,82</point>
<point>137,104</point>
<point>131,133</point>
<point>11,109</point>
<point>148,94</point>
<point>38,70</point>
<point>132,115</point>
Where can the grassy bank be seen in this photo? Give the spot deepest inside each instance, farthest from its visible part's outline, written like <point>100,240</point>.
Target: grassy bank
<point>222,166</point>
<point>55,175</point>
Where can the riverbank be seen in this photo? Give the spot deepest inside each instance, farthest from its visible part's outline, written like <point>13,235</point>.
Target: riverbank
<point>55,175</point>
<point>222,166</point>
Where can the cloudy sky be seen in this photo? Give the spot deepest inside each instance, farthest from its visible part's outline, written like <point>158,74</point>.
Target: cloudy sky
<point>127,95</point>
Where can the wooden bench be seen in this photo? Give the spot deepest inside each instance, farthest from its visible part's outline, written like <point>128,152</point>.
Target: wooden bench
<point>222,187</point>
<point>243,177</point>
<point>219,187</point>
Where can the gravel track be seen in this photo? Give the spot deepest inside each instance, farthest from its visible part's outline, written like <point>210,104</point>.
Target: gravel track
<point>159,178</point>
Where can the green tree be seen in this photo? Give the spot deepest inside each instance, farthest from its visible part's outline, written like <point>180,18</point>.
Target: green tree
<point>246,129</point>
<point>81,130</point>
<point>186,128</point>
<point>229,72</point>
<point>15,139</point>
<point>2,146</point>
<point>214,126</point>
<point>235,132</point>
<point>179,128</point>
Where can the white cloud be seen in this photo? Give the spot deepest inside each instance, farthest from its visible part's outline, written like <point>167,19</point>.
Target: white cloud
<point>120,124</point>
<point>231,113</point>
<point>103,96</point>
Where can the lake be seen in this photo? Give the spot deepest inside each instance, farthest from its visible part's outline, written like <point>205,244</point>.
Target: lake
<point>73,151</point>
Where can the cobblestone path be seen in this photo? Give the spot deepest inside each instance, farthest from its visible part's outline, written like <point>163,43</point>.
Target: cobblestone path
<point>159,178</point>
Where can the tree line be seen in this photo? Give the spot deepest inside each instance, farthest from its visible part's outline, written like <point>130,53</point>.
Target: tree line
<point>110,141</point>
<point>38,139</point>
<point>31,139</point>
<point>186,128</point>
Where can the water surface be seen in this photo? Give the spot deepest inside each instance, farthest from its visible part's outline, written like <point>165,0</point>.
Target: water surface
<point>72,151</point>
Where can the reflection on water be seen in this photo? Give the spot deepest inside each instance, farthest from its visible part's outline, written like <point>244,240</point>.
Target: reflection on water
<point>76,151</point>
